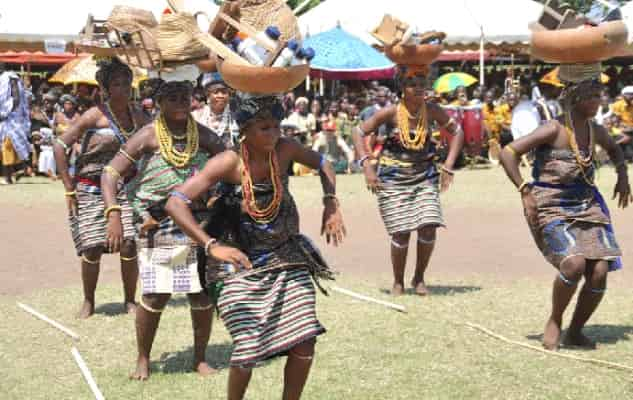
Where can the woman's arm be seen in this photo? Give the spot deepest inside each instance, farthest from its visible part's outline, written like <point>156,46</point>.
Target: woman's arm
<point>222,167</point>
<point>209,141</point>
<point>510,157</point>
<point>622,187</point>
<point>332,223</point>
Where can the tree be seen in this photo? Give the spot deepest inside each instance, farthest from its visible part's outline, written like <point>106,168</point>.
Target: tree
<point>583,6</point>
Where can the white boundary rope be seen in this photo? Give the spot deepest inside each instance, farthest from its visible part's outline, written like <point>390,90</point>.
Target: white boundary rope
<point>548,352</point>
<point>87,375</point>
<point>393,306</point>
<point>49,321</point>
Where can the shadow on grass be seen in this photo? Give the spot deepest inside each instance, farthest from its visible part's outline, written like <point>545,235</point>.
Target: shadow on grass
<point>114,309</point>
<point>601,334</point>
<point>181,362</point>
<point>440,290</point>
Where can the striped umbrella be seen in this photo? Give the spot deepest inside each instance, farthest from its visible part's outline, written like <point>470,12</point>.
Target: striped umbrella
<point>451,81</point>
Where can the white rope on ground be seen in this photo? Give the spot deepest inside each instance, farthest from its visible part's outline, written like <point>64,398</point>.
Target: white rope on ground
<point>548,352</point>
<point>87,375</point>
<point>393,306</point>
<point>48,320</point>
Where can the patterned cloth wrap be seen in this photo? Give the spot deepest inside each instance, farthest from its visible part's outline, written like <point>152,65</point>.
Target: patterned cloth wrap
<point>15,125</point>
<point>88,227</point>
<point>573,218</point>
<point>272,308</point>
<point>167,257</point>
<point>409,198</point>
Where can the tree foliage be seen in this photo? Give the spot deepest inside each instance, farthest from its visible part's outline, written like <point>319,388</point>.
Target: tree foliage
<point>582,6</point>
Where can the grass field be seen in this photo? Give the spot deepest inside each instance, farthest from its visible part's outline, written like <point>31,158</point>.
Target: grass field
<point>369,352</point>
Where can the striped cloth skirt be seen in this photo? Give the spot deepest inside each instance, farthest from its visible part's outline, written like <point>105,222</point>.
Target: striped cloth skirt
<point>88,228</point>
<point>409,201</point>
<point>269,313</point>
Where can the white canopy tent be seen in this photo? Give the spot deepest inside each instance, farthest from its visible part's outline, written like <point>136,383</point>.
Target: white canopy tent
<point>27,24</point>
<point>503,21</point>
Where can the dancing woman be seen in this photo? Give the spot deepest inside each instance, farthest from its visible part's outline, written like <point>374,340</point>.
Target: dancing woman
<point>166,153</point>
<point>102,130</point>
<point>565,211</point>
<point>269,310</point>
<point>407,179</point>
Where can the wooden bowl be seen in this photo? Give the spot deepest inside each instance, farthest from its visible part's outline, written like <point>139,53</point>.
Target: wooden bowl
<point>580,45</point>
<point>262,80</point>
<point>422,54</point>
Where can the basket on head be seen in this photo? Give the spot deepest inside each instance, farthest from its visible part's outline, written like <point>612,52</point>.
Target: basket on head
<point>262,13</point>
<point>135,30</point>
<point>177,38</point>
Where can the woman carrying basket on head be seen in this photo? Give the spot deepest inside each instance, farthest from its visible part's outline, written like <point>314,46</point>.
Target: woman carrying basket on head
<point>102,130</point>
<point>267,302</point>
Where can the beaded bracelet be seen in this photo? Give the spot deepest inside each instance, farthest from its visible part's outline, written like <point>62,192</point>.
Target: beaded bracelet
<point>61,143</point>
<point>322,161</point>
<point>330,196</point>
<point>209,242</point>
<point>70,194</point>
<point>181,196</point>
<point>126,155</point>
<point>362,160</point>
<point>108,210</point>
<point>112,172</point>
<point>522,186</point>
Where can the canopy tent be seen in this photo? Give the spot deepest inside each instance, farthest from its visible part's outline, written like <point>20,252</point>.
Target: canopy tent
<point>340,55</point>
<point>37,58</point>
<point>464,21</point>
<point>51,26</point>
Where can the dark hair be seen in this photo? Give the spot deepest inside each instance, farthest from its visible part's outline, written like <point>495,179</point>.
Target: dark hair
<point>108,68</point>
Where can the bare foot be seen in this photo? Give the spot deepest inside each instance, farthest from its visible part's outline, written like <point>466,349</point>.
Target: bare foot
<point>142,370</point>
<point>551,336</point>
<point>86,311</point>
<point>204,369</point>
<point>130,307</point>
<point>578,340</point>
<point>420,288</point>
<point>397,289</point>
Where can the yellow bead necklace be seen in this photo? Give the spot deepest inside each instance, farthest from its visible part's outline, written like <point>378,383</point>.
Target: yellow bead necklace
<point>178,159</point>
<point>418,140</point>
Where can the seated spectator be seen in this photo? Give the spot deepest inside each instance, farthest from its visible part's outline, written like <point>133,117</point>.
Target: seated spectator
<point>303,119</point>
<point>334,148</point>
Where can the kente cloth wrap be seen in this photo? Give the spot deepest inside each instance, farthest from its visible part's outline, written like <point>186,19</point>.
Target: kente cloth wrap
<point>409,197</point>
<point>273,309</point>
<point>148,193</point>
<point>88,227</point>
<point>14,124</point>
<point>573,218</point>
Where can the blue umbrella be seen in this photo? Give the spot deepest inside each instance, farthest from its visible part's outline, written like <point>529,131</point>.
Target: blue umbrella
<point>341,55</point>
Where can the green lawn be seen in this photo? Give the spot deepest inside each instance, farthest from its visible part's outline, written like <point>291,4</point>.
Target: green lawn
<point>369,352</point>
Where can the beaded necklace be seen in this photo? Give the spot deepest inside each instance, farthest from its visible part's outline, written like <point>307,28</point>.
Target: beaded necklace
<point>269,213</point>
<point>419,138</point>
<point>583,163</point>
<point>178,159</point>
<point>124,132</point>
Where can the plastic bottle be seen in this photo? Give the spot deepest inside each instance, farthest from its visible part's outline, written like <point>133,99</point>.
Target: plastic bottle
<point>308,54</point>
<point>287,54</point>
<point>299,57</point>
<point>247,51</point>
<point>269,36</point>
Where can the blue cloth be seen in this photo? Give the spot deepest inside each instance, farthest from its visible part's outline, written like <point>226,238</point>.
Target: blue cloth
<point>337,50</point>
<point>16,124</point>
<point>614,264</point>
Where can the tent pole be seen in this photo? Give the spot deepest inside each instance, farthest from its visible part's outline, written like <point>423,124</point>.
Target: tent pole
<point>481,58</point>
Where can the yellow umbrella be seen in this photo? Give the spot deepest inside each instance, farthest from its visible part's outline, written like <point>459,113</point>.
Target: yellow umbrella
<point>551,78</point>
<point>83,70</point>
<point>451,81</point>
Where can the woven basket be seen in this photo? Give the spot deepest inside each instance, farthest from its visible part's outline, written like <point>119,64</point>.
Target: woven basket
<point>177,38</point>
<point>262,13</point>
<point>130,20</point>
